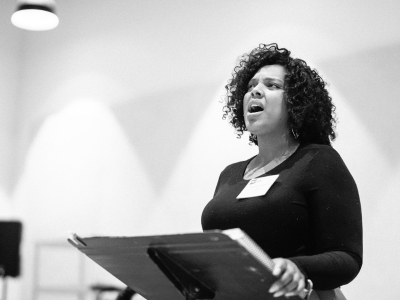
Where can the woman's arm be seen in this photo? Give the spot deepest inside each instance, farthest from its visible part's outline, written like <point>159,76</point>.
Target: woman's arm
<point>335,221</point>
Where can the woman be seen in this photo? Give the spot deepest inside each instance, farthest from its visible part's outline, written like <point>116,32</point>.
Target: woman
<point>309,220</point>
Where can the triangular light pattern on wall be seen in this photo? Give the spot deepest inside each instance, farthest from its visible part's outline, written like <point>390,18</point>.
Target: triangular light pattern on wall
<point>35,15</point>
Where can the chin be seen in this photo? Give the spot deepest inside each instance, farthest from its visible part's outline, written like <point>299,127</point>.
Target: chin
<point>256,129</point>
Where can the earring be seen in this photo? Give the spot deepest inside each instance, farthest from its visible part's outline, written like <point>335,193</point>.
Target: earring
<point>295,135</point>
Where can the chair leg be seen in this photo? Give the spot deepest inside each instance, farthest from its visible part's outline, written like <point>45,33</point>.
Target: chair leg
<point>3,288</point>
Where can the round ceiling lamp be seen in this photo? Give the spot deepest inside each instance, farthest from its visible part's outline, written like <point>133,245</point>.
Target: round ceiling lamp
<point>35,15</point>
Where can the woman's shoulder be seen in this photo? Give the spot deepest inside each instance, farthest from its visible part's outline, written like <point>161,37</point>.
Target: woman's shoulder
<point>319,150</point>
<point>324,156</point>
<point>317,147</point>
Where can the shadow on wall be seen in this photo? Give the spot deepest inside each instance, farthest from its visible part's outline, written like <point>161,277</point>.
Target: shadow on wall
<point>159,126</point>
<point>370,82</point>
<point>20,155</point>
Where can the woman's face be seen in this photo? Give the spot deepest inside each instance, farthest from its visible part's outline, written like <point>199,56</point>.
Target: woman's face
<point>264,104</point>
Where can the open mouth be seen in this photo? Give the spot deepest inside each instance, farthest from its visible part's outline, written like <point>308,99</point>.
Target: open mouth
<point>254,108</point>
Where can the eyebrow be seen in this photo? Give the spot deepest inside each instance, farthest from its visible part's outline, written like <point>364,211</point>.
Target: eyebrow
<point>267,79</point>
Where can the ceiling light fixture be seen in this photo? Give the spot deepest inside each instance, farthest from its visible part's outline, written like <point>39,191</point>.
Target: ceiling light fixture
<point>35,15</point>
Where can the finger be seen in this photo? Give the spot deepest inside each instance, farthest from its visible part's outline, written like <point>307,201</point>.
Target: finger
<point>288,276</point>
<point>302,285</point>
<point>294,285</point>
<point>298,290</point>
<point>286,289</point>
<point>280,265</point>
<point>275,286</point>
<point>282,282</point>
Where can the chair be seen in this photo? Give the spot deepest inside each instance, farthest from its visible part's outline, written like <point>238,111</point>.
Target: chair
<point>10,240</point>
<point>123,293</point>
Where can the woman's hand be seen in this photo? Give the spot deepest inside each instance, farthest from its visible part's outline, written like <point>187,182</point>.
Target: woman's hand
<point>290,281</point>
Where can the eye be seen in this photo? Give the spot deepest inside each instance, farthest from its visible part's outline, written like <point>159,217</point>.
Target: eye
<point>250,86</point>
<point>274,85</point>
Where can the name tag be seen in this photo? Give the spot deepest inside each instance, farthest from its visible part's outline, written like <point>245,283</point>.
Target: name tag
<point>257,187</point>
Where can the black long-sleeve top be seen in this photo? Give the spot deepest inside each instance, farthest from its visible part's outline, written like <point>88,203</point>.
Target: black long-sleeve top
<point>310,215</point>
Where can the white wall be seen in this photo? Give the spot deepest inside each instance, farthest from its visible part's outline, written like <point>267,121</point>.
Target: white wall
<point>114,121</point>
<point>9,71</point>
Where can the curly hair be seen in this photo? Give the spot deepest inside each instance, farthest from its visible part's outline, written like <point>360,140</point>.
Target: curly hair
<point>310,108</point>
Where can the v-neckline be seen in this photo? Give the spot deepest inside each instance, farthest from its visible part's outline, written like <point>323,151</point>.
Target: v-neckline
<point>246,163</point>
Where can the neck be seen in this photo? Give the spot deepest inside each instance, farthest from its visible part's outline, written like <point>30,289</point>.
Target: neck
<point>273,147</point>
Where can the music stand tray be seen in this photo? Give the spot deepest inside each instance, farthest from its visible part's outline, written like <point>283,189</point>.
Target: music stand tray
<point>220,265</point>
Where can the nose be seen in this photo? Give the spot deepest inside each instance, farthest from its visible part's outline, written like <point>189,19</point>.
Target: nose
<point>256,93</point>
